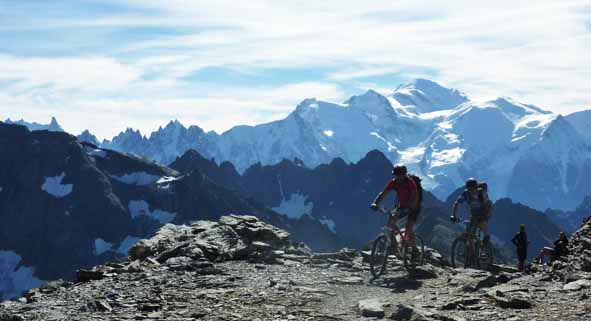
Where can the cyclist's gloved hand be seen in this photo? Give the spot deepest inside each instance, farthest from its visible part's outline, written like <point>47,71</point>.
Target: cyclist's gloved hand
<point>374,206</point>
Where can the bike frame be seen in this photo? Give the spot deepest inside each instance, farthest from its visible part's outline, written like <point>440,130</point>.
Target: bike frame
<point>471,236</point>
<point>401,232</point>
<point>387,242</point>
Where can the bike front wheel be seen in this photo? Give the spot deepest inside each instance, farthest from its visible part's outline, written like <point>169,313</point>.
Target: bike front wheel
<point>485,255</point>
<point>460,254</point>
<point>413,255</point>
<point>379,255</point>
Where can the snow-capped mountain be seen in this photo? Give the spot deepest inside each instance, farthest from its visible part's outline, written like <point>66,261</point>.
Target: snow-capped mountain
<point>53,126</point>
<point>424,96</point>
<point>87,137</point>
<point>531,155</point>
<point>165,144</point>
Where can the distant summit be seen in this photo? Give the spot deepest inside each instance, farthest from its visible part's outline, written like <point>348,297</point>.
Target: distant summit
<point>53,125</point>
<point>428,96</point>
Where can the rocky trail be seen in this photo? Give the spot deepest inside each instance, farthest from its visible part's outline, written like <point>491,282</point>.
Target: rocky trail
<point>243,269</point>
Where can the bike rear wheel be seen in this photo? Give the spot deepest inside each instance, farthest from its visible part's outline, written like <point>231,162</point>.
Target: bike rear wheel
<point>413,256</point>
<point>460,254</point>
<point>379,255</point>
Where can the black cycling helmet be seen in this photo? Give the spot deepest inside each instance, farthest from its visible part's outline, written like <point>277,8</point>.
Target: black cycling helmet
<point>399,169</point>
<point>471,183</point>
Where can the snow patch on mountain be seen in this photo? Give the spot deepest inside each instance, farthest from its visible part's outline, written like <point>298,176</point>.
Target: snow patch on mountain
<point>96,152</point>
<point>15,278</point>
<point>54,186</point>
<point>295,206</point>
<point>137,178</point>
<point>101,246</point>
<point>140,207</point>
<point>167,179</point>
<point>329,223</point>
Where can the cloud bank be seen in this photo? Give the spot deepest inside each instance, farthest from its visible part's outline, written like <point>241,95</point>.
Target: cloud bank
<point>111,64</point>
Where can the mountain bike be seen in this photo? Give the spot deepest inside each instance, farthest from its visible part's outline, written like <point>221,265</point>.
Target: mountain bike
<point>394,241</point>
<point>470,251</point>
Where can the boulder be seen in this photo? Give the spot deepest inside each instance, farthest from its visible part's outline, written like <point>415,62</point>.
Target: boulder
<point>251,229</point>
<point>577,285</point>
<point>371,308</point>
<point>83,275</point>
<point>514,302</point>
<point>404,312</point>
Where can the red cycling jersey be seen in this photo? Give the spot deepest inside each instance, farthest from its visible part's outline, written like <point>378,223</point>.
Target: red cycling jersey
<point>406,191</point>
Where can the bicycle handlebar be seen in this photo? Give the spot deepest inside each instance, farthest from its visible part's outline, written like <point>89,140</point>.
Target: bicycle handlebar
<point>462,221</point>
<point>383,210</point>
<point>392,211</point>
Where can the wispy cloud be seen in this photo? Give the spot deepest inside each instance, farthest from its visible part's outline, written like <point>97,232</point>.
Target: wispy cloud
<point>131,63</point>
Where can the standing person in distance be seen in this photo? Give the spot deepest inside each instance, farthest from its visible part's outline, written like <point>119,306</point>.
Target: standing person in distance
<point>521,242</point>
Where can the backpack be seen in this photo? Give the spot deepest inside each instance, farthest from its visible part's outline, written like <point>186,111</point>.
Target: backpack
<point>419,187</point>
<point>482,187</point>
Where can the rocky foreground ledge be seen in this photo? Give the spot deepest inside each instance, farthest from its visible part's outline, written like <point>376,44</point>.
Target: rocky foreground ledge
<point>241,268</point>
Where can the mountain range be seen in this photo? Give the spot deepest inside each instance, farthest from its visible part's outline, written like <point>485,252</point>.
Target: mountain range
<point>66,205</point>
<point>533,156</point>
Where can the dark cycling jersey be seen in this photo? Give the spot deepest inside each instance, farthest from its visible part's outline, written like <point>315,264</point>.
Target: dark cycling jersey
<point>477,204</point>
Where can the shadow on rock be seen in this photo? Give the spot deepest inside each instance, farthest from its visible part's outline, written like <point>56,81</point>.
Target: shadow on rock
<point>398,284</point>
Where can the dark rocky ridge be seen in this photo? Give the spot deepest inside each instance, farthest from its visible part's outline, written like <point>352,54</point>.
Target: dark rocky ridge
<point>341,192</point>
<point>243,269</point>
<point>570,220</point>
<point>66,205</point>
<point>338,192</point>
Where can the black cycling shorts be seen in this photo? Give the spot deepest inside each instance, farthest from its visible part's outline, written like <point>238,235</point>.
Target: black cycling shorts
<point>475,220</point>
<point>412,214</point>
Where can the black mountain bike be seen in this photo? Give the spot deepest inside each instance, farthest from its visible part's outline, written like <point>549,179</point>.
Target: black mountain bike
<point>470,251</point>
<point>394,242</point>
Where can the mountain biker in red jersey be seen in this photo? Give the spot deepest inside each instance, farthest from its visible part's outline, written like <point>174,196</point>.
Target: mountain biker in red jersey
<point>408,199</point>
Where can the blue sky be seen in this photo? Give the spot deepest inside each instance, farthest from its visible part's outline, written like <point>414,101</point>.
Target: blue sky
<point>108,65</point>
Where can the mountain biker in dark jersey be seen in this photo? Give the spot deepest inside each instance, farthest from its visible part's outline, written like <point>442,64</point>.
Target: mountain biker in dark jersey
<point>408,199</point>
<point>480,207</point>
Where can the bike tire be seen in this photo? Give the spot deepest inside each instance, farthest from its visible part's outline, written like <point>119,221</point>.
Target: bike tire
<point>379,255</point>
<point>414,257</point>
<point>485,255</point>
<point>459,253</point>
